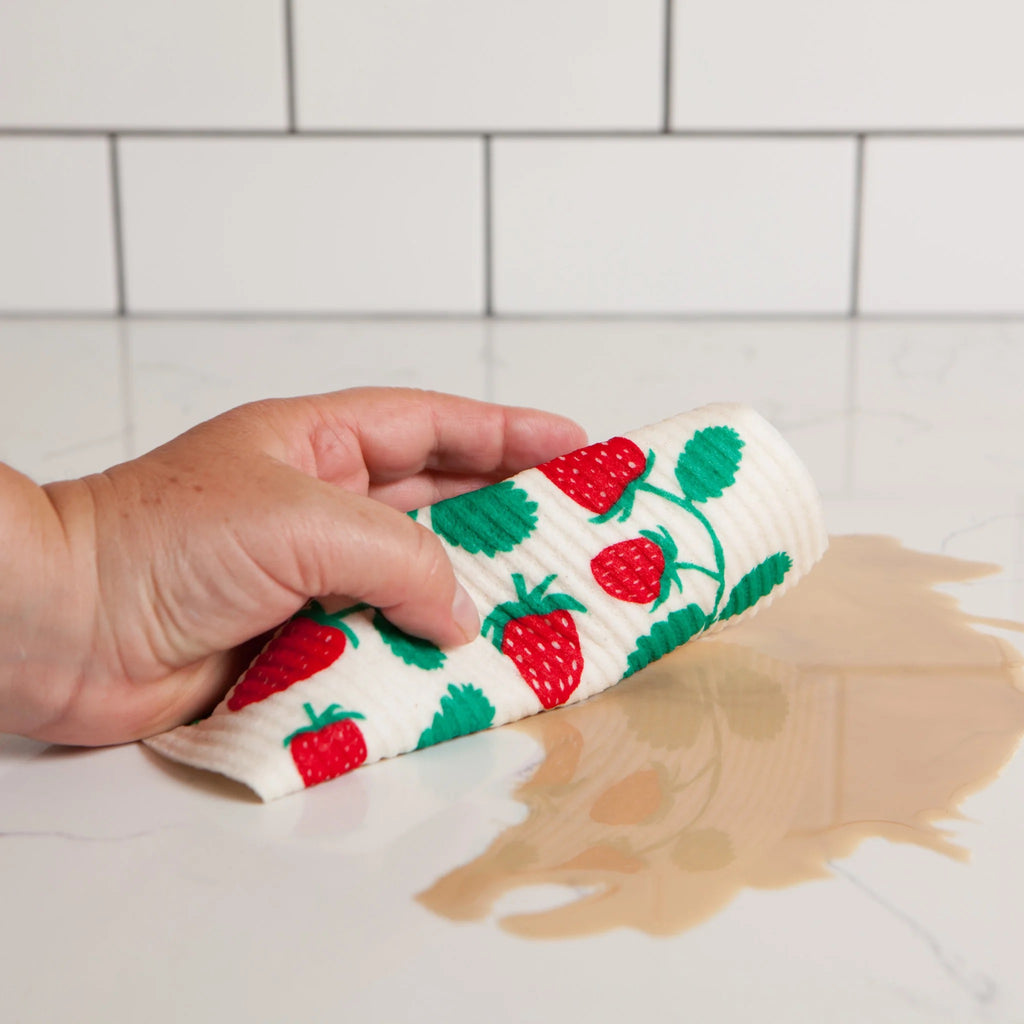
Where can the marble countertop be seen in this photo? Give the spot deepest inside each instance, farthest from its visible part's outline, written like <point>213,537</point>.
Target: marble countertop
<point>134,889</point>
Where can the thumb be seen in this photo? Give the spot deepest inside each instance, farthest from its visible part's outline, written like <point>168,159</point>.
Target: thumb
<point>345,543</point>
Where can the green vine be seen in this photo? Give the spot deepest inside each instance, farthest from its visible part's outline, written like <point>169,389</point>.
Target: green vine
<point>718,573</point>
<point>705,469</point>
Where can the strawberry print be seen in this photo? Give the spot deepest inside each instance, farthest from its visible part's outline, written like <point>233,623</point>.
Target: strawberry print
<point>599,476</point>
<point>639,570</point>
<point>330,745</point>
<point>537,632</point>
<point>306,644</point>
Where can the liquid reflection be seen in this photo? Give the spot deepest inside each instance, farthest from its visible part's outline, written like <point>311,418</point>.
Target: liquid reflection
<point>864,703</point>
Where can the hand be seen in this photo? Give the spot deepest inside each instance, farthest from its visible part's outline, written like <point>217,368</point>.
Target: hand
<point>139,588</point>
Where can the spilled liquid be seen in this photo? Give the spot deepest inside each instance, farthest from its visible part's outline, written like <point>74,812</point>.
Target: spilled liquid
<point>864,703</point>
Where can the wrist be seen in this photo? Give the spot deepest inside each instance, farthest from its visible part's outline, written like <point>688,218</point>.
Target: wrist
<point>45,602</point>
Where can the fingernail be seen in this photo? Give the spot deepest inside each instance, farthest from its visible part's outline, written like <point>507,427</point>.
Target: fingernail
<point>465,614</point>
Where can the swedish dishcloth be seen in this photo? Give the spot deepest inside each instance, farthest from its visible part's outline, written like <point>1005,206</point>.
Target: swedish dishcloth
<point>584,569</point>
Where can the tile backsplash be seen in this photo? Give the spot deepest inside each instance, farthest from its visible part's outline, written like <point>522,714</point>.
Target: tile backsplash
<point>304,223</point>
<point>512,157</point>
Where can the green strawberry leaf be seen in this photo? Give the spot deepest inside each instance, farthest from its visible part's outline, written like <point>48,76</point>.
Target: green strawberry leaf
<point>413,650</point>
<point>757,583</point>
<point>708,463</point>
<point>464,710</point>
<point>666,636</point>
<point>487,521</point>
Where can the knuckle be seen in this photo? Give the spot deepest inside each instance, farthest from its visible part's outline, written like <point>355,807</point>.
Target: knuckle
<point>240,425</point>
<point>260,409</point>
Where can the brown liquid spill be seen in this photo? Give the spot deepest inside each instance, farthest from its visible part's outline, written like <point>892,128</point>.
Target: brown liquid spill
<point>861,704</point>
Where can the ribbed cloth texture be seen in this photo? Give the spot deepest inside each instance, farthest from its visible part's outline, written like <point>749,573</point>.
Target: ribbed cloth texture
<point>584,570</point>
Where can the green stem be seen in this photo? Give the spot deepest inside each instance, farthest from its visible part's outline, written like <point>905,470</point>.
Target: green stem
<point>697,568</point>
<point>716,544</point>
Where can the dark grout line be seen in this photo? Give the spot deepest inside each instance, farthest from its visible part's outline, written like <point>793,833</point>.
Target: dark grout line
<point>858,226</point>
<point>246,133</point>
<point>289,64</point>
<point>666,106</point>
<point>488,226</point>
<point>598,316</point>
<point>795,316</point>
<point>522,133</point>
<point>931,316</point>
<point>377,316</point>
<point>260,316</point>
<point>57,315</point>
<point>431,316</point>
<point>922,316</point>
<point>117,225</point>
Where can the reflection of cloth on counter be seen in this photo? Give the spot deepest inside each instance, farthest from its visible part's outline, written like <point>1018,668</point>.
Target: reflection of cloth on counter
<point>584,569</point>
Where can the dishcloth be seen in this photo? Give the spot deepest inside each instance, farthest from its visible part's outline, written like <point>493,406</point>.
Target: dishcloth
<point>584,569</point>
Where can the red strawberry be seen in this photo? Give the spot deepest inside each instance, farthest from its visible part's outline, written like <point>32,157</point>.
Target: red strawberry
<point>329,746</point>
<point>635,570</point>
<point>307,643</point>
<point>539,635</point>
<point>599,475</point>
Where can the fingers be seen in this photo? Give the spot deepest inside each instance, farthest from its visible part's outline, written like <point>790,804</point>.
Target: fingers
<point>335,542</point>
<point>448,434</point>
<point>372,436</point>
<point>532,437</point>
<point>426,488</point>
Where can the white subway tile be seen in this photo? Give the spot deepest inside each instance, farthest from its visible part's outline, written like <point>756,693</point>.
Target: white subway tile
<point>61,404</point>
<point>466,64</point>
<point>56,226</point>
<point>307,224</point>
<point>943,226</point>
<point>870,64</point>
<point>162,63</point>
<point>187,371</point>
<point>664,225</point>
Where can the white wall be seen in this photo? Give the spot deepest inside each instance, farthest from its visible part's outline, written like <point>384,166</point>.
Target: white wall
<point>512,156</point>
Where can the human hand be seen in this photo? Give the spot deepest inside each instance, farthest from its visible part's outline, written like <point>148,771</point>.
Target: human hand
<point>140,589</point>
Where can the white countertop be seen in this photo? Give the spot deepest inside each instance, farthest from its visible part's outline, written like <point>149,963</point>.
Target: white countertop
<point>133,889</point>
